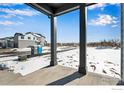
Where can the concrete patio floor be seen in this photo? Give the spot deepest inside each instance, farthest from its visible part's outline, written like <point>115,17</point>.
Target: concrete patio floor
<point>57,75</point>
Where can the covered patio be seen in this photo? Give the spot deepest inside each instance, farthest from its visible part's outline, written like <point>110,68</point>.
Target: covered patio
<point>59,75</point>
<point>52,10</point>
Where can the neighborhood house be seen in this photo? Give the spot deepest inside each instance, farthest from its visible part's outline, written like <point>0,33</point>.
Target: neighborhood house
<point>21,41</point>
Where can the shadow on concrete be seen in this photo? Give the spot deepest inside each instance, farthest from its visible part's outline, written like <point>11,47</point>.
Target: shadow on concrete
<point>67,79</point>
<point>120,83</point>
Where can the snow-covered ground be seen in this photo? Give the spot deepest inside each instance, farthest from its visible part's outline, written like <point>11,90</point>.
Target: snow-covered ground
<point>28,66</point>
<point>21,49</point>
<point>102,61</point>
<point>31,65</point>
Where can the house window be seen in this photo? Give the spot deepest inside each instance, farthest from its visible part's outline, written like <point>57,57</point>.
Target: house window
<point>34,38</point>
<point>29,37</point>
<point>22,37</point>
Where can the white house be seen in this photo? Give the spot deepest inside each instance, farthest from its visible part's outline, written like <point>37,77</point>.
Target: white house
<point>29,39</point>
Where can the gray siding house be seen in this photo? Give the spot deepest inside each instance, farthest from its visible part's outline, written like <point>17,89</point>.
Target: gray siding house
<point>7,42</point>
<point>29,39</point>
<point>23,40</point>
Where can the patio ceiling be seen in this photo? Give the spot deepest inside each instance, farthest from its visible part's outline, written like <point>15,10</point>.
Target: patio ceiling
<point>56,9</point>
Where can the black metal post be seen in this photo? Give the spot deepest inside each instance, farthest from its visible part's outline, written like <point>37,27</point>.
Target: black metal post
<point>53,41</point>
<point>122,42</point>
<point>82,61</point>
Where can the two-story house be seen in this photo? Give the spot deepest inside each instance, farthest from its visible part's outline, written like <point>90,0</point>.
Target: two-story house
<point>29,39</point>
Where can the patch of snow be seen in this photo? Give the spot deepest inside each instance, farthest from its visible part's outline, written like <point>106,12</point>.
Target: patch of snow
<point>102,61</point>
<point>31,65</point>
<point>23,49</point>
<point>28,66</point>
<point>3,59</point>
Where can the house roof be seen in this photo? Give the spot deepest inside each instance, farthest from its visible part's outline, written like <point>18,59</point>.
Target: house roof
<point>35,34</point>
<point>6,38</point>
<point>19,34</point>
<point>56,8</point>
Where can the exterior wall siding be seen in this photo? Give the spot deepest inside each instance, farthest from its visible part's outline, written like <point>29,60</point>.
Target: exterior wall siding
<point>25,43</point>
<point>16,41</point>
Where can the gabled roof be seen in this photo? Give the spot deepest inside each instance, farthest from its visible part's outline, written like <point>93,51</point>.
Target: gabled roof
<point>35,34</point>
<point>19,34</point>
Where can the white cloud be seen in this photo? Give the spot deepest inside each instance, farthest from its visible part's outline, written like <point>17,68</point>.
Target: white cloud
<point>100,5</point>
<point>6,4</point>
<point>114,26</point>
<point>24,12</point>
<point>10,4</point>
<point>20,17</point>
<point>7,16</point>
<point>10,12</point>
<point>103,20</point>
<point>8,23</point>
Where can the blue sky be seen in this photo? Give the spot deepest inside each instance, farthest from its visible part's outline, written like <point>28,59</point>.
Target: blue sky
<point>103,22</point>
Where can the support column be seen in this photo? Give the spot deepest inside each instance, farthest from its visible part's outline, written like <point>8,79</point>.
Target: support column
<point>122,42</point>
<point>53,41</point>
<point>82,61</point>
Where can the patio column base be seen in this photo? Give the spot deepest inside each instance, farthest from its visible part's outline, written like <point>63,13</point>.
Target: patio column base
<point>82,70</point>
<point>52,63</point>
